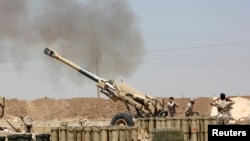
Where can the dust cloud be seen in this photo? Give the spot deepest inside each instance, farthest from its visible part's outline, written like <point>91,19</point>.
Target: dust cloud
<point>101,36</point>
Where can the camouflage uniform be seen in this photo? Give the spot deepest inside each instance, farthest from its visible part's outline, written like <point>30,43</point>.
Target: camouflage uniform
<point>223,108</point>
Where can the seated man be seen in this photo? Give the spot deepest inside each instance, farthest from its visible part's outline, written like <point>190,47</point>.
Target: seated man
<point>189,108</point>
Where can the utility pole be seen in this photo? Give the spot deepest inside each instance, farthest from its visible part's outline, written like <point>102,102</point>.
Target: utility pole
<point>97,73</point>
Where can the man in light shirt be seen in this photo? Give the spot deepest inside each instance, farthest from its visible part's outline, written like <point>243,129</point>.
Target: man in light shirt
<point>171,105</point>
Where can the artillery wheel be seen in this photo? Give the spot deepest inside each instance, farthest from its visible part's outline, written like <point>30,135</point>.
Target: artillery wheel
<point>122,119</point>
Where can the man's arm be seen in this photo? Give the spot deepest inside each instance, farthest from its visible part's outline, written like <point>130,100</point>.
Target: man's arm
<point>187,107</point>
<point>230,100</point>
<point>213,102</point>
<point>176,105</point>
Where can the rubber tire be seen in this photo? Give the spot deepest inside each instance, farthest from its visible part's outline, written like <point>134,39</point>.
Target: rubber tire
<point>163,114</point>
<point>123,118</point>
<point>196,114</point>
<point>28,121</point>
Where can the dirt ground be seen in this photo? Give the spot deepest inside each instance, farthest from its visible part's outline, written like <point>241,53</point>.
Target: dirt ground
<point>49,110</point>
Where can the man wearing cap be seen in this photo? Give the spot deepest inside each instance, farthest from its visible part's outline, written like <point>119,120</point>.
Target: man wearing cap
<point>224,105</point>
<point>189,108</point>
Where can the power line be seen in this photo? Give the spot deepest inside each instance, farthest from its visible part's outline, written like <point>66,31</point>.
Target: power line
<point>194,56</point>
<point>202,46</point>
<point>20,59</point>
<point>201,65</point>
<point>199,33</point>
<point>147,63</point>
<point>192,47</point>
<point>22,68</point>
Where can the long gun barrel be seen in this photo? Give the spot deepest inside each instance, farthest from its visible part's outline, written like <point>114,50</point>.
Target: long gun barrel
<point>106,87</point>
<point>140,101</point>
<point>55,55</point>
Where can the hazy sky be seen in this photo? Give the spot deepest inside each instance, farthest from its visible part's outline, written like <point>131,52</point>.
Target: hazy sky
<point>162,48</point>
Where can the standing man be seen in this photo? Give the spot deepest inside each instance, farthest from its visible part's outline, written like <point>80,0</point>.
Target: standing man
<point>171,105</point>
<point>189,108</point>
<point>224,105</point>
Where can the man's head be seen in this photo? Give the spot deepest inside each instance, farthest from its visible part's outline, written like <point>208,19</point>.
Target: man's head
<point>192,100</point>
<point>171,98</point>
<point>222,96</point>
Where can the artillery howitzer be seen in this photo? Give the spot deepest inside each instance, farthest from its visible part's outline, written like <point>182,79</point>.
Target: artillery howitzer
<point>145,105</point>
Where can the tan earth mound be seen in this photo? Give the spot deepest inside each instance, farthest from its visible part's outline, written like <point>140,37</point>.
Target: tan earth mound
<point>49,110</point>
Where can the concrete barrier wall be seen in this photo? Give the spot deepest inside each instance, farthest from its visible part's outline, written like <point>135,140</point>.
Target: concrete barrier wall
<point>94,133</point>
<point>193,128</point>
